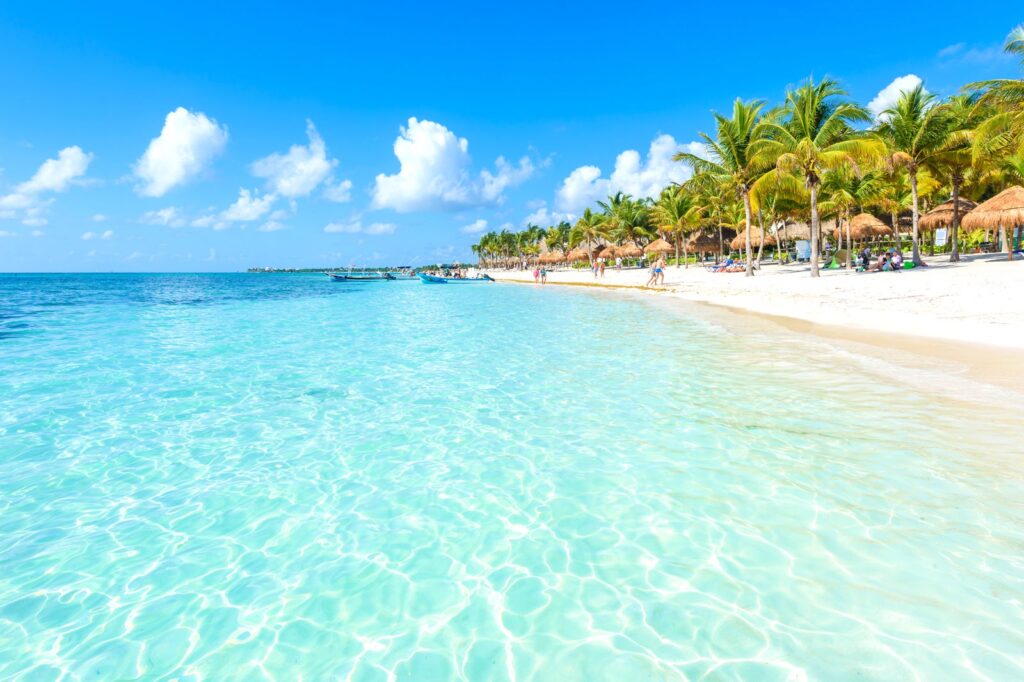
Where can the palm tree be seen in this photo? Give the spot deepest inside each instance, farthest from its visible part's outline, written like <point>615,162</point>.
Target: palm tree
<point>730,163</point>
<point>628,218</point>
<point>811,135</point>
<point>676,212</point>
<point>589,228</point>
<point>846,193</point>
<point>916,132</point>
<point>957,159</point>
<point>1003,132</point>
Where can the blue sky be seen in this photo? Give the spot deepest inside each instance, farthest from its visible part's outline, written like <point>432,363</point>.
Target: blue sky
<point>204,136</point>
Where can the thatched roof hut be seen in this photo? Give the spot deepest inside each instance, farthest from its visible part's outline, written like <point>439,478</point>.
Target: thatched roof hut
<point>578,254</point>
<point>864,226</point>
<point>1004,210</point>
<point>756,235</point>
<point>629,250</point>
<point>659,246</point>
<point>555,256</point>
<point>608,251</point>
<point>942,215</point>
<point>793,231</point>
<point>704,243</point>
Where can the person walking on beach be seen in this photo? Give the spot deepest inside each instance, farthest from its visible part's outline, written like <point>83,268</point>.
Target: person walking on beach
<point>659,271</point>
<point>543,275</point>
<point>618,263</point>
<point>652,278</point>
<point>600,268</point>
<point>536,275</point>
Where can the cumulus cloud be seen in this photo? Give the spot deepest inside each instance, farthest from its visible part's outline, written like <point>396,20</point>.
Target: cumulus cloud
<point>301,169</point>
<point>89,236</point>
<point>7,233</point>
<point>641,177</point>
<point>248,207</point>
<point>436,172</point>
<point>187,143</point>
<point>356,227</point>
<point>339,193</point>
<point>27,201</point>
<point>169,217</point>
<point>38,233</point>
<point>543,216</point>
<point>99,218</point>
<point>890,94</point>
<point>475,227</point>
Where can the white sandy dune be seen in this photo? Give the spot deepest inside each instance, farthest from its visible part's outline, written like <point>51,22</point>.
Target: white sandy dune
<point>980,300</point>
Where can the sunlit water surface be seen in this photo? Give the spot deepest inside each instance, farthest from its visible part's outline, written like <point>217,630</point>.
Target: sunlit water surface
<point>274,476</point>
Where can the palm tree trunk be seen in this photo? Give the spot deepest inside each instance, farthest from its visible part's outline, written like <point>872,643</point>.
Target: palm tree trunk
<point>760,247</point>
<point>721,244</point>
<point>815,230</point>
<point>686,258</point>
<point>1005,239</point>
<point>679,238</point>
<point>849,245</point>
<point>954,254</point>
<point>750,256</point>
<point>913,215</point>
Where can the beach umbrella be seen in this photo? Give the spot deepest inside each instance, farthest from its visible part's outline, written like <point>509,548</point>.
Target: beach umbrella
<point>865,226</point>
<point>659,246</point>
<point>756,235</point>
<point>794,231</point>
<point>629,251</point>
<point>942,215</point>
<point>578,254</point>
<point>608,251</point>
<point>1003,211</point>
<point>552,257</point>
<point>704,244</point>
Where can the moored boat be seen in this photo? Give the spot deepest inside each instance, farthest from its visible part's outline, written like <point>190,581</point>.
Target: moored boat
<point>360,277</point>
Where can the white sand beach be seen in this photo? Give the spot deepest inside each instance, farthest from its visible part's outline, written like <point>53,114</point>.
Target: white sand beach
<point>979,300</point>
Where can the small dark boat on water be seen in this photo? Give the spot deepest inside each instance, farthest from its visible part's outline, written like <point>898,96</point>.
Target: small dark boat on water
<point>434,279</point>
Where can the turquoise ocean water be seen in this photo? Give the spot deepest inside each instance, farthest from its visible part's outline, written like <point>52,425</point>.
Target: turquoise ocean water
<point>219,477</point>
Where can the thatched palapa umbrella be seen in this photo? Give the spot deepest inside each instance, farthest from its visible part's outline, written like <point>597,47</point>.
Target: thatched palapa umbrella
<point>629,251</point>
<point>1003,211</point>
<point>608,251</point>
<point>756,235</point>
<point>793,231</point>
<point>659,246</point>
<point>552,257</point>
<point>578,254</point>
<point>866,226</point>
<point>704,244</point>
<point>942,215</point>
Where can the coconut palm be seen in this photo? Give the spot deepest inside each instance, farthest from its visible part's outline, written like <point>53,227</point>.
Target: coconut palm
<point>588,229</point>
<point>811,135</point>
<point>729,161</point>
<point>957,162</point>
<point>629,219</point>
<point>915,132</point>
<point>676,212</point>
<point>1003,131</point>
<point>846,193</point>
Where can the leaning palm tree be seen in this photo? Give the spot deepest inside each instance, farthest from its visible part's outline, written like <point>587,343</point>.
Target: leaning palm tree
<point>915,132</point>
<point>846,194</point>
<point>811,135</point>
<point>676,212</point>
<point>729,161</point>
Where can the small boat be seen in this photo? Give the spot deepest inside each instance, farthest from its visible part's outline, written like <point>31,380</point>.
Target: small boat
<point>360,277</point>
<point>434,279</point>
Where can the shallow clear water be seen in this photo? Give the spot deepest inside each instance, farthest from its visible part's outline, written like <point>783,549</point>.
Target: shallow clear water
<point>248,476</point>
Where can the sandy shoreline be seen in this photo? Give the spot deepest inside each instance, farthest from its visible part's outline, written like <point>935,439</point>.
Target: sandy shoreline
<point>979,301</point>
<point>960,319</point>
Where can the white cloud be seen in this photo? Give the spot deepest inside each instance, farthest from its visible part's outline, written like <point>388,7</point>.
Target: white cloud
<point>88,236</point>
<point>339,193</point>
<point>890,94</point>
<point>38,233</point>
<point>475,227</point>
<point>951,50</point>
<point>544,217</point>
<point>107,234</point>
<point>271,226</point>
<point>632,175</point>
<point>99,218</point>
<point>186,145</point>
<point>299,171</point>
<point>7,233</point>
<point>170,217</point>
<point>436,172</point>
<point>54,175</point>
<point>356,226</point>
<point>248,207</point>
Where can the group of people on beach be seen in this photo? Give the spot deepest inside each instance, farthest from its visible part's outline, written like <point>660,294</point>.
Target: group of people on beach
<point>890,260</point>
<point>540,275</point>
<point>657,274</point>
